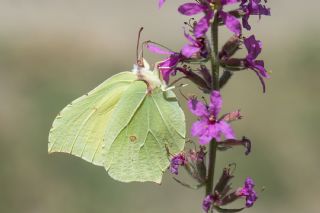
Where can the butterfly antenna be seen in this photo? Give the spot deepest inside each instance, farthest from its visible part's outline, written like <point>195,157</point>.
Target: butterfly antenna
<point>139,60</point>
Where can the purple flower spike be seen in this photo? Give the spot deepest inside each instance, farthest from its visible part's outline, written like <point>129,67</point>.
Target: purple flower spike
<point>253,7</point>
<point>209,125</point>
<point>248,192</point>
<point>254,48</point>
<point>176,161</point>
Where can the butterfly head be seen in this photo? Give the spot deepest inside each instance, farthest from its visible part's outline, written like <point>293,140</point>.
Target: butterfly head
<point>153,78</point>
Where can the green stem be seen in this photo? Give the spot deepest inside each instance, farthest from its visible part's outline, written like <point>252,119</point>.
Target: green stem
<point>215,86</point>
<point>212,163</point>
<point>215,55</point>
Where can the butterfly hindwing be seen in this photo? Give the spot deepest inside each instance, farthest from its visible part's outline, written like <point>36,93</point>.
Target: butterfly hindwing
<point>121,126</point>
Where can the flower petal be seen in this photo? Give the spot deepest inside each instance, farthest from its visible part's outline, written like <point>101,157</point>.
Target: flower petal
<point>189,37</point>
<point>166,72</point>
<point>199,128</point>
<point>160,3</point>
<point>190,9</point>
<point>189,50</point>
<point>259,65</point>
<point>226,130</point>
<point>245,22</point>
<point>207,203</point>
<point>205,139</point>
<point>215,103</point>
<point>253,46</point>
<point>261,81</point>
<point>203,25</point>
<point>215,132</point>
<point>231,22</point>
<point>156,49</point>
<point>197,107</point>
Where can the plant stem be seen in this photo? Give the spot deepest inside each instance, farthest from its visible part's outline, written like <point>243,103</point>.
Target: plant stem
<point>215,55</point>
<point>215,86</point>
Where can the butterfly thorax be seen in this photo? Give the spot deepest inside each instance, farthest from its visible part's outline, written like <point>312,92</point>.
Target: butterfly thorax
<point>151,78</point>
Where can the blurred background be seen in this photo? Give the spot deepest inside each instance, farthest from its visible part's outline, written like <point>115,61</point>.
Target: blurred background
<point>51,52</point>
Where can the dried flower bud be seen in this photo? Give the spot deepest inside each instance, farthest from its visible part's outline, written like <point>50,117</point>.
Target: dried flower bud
<point>234,64</point>
<point>230,47</point>
<point>222,186</point>
<point>232,116</point>
<point>234,142</point>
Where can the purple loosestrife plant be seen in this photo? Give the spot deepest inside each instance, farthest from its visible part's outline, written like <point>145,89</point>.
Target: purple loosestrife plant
<point>191,62</point>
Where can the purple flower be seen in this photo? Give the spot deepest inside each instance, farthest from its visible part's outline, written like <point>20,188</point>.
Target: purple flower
<point>196,45</point>
<point>254,48</point>
<point>176,161</point>
<point>160,3</point>
<point>207,203</point>
<point>167,66</point>
<point>253,7</point>
<point>209,126</point>
<point>206,6</point>
<point>190,9</point>
<point>231,22</point>
<point>248,192</point>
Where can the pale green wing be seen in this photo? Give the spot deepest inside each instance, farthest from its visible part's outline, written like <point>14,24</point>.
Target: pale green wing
<point>79,129</point>
<point>144,128</point>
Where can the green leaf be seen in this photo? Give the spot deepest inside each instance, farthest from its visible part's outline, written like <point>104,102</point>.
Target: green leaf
<point>120,126</point>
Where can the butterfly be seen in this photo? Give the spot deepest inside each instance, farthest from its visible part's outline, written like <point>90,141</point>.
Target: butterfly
<point>126,124</point>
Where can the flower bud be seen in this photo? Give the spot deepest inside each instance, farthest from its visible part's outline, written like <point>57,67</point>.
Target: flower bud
<point>196,166</point>
<point>192,76</point>
<point>230,47</point>
<point>234,64</point>
<point>206,74</point>
<point>222,186</point>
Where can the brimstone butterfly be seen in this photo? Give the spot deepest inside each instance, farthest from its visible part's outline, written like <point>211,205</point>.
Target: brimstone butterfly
<point>128,125</point>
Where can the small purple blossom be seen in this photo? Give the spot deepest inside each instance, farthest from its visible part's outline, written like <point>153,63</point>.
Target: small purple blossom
<point>253,7</point>
<point>248,192</point>
<point>208,202</point>
<point>206,7</point>
<point>160,3</point>
<point>190,9</point>
<point>209,126</point>
<point>254,48</point>
<point>168,65</point>
<point>231,22</point>
<point>196,45</point>
<point>176,161</point>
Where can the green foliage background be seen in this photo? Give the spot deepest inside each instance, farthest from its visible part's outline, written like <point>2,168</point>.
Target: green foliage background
<point>51,52</point>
